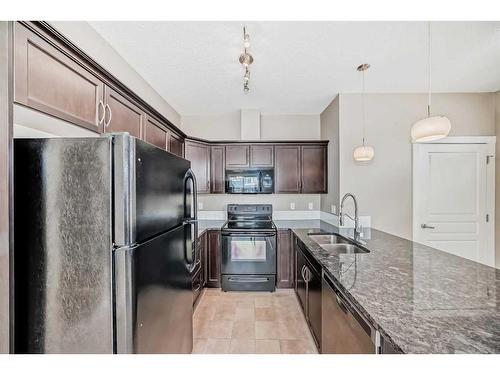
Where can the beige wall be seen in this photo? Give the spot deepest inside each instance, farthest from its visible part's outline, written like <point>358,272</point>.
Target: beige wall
<point>213,127</point>
<point>384,185</point>
<point>272,127</point>
<point>280,202</point>
<point>91,42</point>
<point>497,182</point>
<point>330,121</point>
<point>290,127</point>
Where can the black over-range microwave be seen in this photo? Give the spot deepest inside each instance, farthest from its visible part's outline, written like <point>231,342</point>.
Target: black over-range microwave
<point>250,181</point>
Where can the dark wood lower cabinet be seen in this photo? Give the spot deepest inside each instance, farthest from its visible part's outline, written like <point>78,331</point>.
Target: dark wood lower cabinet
<point>285,269</point>
<point>308,290</point>
<point>197,285</point>
<point>212,260</point>
<point>314,303</point>
<point>198,279</point>
<point>300,282</point>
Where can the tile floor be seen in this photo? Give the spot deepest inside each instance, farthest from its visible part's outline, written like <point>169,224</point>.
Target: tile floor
<point>251,322</point>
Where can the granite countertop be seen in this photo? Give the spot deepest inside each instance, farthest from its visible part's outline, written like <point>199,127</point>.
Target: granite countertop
<point>421,299</point>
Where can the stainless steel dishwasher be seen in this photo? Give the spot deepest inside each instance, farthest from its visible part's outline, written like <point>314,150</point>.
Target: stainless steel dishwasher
<point>344,330</point>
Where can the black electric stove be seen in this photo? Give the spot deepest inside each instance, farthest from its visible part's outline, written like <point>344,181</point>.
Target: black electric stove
<point>248,259</point>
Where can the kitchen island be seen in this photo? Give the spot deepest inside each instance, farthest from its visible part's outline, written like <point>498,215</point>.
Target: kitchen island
<point>420,299</point>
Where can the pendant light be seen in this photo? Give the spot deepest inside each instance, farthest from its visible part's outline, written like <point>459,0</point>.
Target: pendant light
<point>363,152</point>
<point>431,128</point>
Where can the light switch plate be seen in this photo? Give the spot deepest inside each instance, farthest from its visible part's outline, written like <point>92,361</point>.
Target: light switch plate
<point>292,206</point>
<point>334,209</point>
<point>200,205</point>
<point>310,205</point>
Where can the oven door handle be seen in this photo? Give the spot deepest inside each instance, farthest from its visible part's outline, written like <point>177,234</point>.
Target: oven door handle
<point>240,279</point>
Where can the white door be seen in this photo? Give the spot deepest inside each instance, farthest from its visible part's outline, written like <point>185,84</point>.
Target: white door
<point>453,198</point>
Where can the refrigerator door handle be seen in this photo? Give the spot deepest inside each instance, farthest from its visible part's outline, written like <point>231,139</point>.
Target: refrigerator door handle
<point>192,220</point>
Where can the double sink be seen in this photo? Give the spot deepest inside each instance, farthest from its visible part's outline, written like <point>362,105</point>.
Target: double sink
<point>337,244</point>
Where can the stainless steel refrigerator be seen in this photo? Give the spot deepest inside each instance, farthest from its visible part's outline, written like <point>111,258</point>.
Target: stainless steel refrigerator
<point>103,246</point>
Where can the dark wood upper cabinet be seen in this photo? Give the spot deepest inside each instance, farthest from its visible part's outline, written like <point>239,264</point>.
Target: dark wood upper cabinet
<point>121,114</point>
<point>285,268</point>
<point>217,172</point>
<point>301,168</point>
<point>51,82</point>
<point>314,169</point>
<point>287,169</point>
<point>237,156</point>
<point>155,134</point>
<point>199,156</point>
<point>261,155</point>
<point>213,255</point>
<point>176,144</point>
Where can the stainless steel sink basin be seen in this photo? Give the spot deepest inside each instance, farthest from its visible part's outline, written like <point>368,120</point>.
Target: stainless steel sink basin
<point>344,248</point>
<point>323,239</point>
<point>337,244</point>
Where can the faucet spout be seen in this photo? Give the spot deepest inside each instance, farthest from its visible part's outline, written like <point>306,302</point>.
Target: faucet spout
<point>356,217</point>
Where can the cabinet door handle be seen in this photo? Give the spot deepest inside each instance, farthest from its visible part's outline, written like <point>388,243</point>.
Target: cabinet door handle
<point>99,106</point>
<point>307,272</point>
<point>110,116</point>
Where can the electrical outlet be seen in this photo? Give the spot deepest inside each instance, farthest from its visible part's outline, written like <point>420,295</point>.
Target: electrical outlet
<point>200,205</point>
<point>334,209</point>
<point>292,206</point>
<point>310,205</point>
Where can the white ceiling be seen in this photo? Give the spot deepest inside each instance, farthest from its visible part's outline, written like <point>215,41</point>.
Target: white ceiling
<point>300,66</point>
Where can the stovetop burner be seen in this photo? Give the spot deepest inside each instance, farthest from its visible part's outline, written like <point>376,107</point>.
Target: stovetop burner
<point>249,217</point>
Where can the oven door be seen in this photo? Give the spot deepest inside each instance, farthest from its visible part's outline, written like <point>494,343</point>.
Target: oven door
<point>248,253</point>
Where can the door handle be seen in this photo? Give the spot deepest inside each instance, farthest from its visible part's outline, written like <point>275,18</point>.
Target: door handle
<point>425,226</point>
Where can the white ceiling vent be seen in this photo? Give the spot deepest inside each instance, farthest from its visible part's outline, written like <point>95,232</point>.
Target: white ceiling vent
<point>250,124</point>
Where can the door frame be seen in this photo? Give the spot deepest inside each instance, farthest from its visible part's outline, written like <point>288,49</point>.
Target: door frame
<point>490,142</point>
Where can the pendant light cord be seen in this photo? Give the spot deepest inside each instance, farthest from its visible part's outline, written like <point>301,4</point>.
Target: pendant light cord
<point>429,70</point>
<point>363,107</point>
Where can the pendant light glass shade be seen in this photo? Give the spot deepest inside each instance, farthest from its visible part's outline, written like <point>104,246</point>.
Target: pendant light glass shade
<point>430,129</point>
<point>364,153</point>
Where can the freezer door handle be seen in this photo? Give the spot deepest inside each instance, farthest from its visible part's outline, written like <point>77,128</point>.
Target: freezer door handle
<point>192,220</point>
